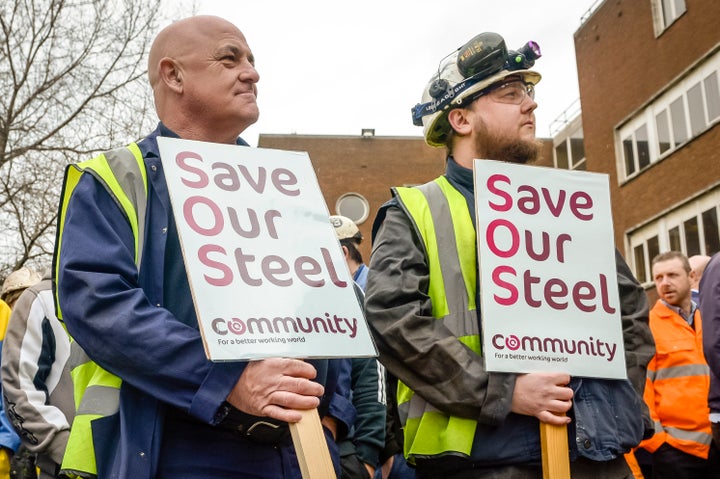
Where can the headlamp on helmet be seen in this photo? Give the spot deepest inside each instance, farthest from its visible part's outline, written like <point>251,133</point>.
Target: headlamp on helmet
<point>479,63</point>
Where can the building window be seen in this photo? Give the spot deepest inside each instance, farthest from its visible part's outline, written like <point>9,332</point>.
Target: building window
<point>569,151</point>
<point>691,228</point>
<point>712,92</point>
<point>665,12</point>
<point>663,131</point>
<point>711,231</point>
<point>685,111</point>
<point>640,263</point>
<point>636,150</point>
<point>354,206</point>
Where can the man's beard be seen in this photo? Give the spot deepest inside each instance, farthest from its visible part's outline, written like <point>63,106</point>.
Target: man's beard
<point>492,146</point>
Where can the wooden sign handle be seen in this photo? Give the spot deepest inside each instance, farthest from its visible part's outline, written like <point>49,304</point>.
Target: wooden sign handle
<point>311,447</point>
<point>555,455</point>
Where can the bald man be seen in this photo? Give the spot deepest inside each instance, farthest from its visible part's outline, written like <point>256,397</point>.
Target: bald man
<point>175,414</point>
<point>698,263</point>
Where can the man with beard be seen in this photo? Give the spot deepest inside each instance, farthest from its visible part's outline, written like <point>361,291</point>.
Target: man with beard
<point>461,421</point>
<point>152,404</point>
<point>678,378</point>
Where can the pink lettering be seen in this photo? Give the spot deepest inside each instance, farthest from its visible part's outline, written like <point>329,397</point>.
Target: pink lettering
<point>189,215</point>
<point>182,161</point>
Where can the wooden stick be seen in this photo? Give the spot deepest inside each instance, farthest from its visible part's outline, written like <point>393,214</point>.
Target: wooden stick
<point>555,455</point>
<point>311,447</point>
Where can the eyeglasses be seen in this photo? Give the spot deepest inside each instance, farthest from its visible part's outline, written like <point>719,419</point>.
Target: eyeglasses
<point>512,93</point>
<point>481,57</point>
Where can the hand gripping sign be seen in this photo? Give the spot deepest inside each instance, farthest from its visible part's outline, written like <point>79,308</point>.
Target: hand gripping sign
<point>266,272</point>
<point>549,293</point>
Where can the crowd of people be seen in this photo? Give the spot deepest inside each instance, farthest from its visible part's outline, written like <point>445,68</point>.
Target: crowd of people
<point>104,372</point>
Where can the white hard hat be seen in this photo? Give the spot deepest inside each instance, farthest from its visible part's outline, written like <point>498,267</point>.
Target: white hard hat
<point>480,63</point>
<point>19,279</point>
<point>345,228</point>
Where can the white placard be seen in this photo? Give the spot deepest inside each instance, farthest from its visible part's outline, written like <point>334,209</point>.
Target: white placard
<point>548,281</point>
<point>266,271</point>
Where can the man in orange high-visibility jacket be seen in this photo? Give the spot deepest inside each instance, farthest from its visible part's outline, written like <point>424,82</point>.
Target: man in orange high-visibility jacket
<point>678,378</point>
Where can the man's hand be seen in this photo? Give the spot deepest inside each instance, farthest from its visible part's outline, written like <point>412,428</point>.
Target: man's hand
<point>543,395</point>
<point>331,425</point>
<point>276,388</point>
<point>387,467</point>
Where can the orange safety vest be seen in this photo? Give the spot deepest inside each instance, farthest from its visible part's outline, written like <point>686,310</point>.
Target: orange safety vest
<point>677,384</point>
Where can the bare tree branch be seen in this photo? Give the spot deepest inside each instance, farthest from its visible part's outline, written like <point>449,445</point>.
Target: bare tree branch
<point>72,83</point>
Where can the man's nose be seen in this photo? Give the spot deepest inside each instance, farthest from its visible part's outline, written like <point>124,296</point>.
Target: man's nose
<point>528,104</point>
<point>248,72</point>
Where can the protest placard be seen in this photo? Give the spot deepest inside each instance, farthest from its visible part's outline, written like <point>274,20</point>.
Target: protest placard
<point>549,296</point>
<point>266,271</point>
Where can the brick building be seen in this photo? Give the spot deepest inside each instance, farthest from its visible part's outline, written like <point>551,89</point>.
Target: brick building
<point>648,73</point>
<point>356,173</point>
<point>648,114</point>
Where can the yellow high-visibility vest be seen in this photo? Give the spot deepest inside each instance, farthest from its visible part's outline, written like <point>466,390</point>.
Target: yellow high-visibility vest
<point>442,218</point>
<point>96,391</point>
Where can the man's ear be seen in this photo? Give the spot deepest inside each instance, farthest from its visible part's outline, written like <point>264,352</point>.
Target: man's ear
<point>346,252</point>
<point>459,120</point>
<point>171,75</point>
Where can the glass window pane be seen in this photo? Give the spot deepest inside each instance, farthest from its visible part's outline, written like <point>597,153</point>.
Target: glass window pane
<point>640,273</point>
<point>711,230</point>
<point>561,156</point>
<point>679,124</point>
<point>679,7</point>
<point>696,108</point>
<point>712,95</point>
<point>629,156</point>
<point>667,12</point>
<point>643,148</point>
<point>663,131</point>
<point>354,206</point>
<point>674,239</point>
<point>653,246</point>
<point>582,166</point>
<point>577,148</point>
<point>692,236</point>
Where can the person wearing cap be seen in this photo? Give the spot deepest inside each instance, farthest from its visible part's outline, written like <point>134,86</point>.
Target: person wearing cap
<point>461,421</point>
<point>17,282</point>
<point>11,452</point>
<point>151,403</point>
<point>350,238</point>
<point>361,382</point>
<point>37,386</point>
<point>392,464</point>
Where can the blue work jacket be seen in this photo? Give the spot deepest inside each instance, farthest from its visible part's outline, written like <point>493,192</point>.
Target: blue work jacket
<point>118,316</point>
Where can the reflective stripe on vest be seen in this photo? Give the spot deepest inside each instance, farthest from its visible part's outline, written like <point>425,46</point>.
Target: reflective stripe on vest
<point>441,217</point>
<point>679,365</point>
<point>96,391</point>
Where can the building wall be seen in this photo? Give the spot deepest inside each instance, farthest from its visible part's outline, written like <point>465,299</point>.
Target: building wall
<point>622,66</point>
<point>369,165</point>
<point>365,165</point>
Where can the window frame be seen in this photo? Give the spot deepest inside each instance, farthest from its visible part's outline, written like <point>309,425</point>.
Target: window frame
<point>661,21</point>
<point>564,139</point>
<point>674,219</point>
<point>356,196</point>
<point>670,104</point>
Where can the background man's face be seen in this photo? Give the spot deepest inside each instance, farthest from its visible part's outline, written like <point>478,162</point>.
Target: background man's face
<point>505,132</point>
<point>672,281</point>
<point>221,80</point>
